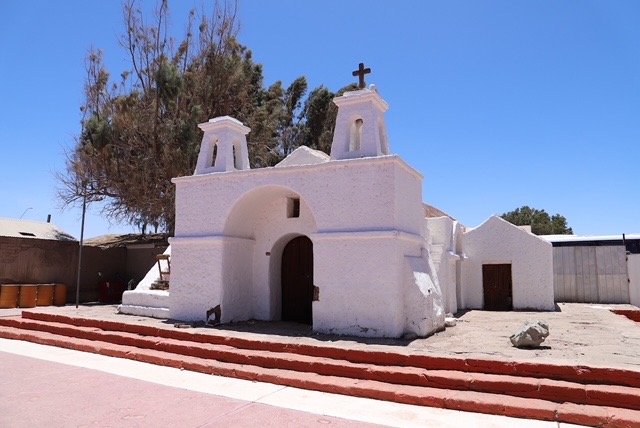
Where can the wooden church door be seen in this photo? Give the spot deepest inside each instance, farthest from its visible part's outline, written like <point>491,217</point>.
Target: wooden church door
<point>297,280</point>
<point>497,287</point>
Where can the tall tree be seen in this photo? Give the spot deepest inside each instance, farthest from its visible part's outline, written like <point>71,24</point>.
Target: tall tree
<point>139,132</point>
<point>539,220</point>
<point>320,117</point>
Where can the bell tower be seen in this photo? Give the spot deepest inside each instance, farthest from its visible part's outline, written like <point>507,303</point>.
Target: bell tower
<point>223,147</point>
<point>360,130</point>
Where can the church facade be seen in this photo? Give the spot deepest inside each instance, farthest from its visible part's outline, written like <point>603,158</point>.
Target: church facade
<point>339,242</point>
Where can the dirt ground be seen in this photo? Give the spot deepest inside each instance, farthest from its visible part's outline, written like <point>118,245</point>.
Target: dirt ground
<point>584,334</point>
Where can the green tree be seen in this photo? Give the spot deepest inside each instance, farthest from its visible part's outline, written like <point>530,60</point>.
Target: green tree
<point>320,117</point>
<point>539,220</point>
<point>140,131</point>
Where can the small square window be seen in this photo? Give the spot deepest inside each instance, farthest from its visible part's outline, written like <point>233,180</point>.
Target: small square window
<point>293,207</point>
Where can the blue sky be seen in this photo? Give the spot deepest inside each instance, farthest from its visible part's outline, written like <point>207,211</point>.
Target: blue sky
<point>498,104</point>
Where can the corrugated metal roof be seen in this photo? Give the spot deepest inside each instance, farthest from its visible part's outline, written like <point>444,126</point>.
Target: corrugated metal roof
<point>576,238</point>
<point>32,230</point>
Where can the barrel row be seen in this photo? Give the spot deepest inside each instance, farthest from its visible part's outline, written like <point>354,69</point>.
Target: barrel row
<point>32,295</point>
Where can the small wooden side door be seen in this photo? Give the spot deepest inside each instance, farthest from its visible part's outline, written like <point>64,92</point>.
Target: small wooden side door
<point>497,287</point>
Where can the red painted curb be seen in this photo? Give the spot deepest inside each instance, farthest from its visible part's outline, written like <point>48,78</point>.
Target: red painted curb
<point>459,400</point>
<point>578,374</point>
<point>632,314</point>
<point>515,386</point>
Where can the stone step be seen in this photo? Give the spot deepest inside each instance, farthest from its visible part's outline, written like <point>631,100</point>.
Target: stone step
<point>517,386</point>
<point>569,373</point>
<point>481,402</point>
<point>548,389</point>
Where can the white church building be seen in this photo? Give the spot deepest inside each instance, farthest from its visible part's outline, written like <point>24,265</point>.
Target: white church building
<point>339,242</point>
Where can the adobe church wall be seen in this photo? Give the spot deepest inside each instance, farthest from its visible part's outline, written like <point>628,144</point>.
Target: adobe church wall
<point>362,212</point>
<point>360,280</point>
<point>273,230</point>
<point>495,242</point>
<point>442,234</point>
<point>251,207</point>
<point>203,203</point>
<point>197,275</point>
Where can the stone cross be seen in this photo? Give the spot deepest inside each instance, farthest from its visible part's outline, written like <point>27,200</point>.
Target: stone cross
<point>360,72</point>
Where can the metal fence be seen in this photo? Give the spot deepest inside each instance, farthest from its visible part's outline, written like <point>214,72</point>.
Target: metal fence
<point>590,274</point>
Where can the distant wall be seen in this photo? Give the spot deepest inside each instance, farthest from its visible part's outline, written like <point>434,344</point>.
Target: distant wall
<point>38,261</point>
<point>132,262</point>
<point>633,266</point>
<point>108,261</point>
<point>141,258</point>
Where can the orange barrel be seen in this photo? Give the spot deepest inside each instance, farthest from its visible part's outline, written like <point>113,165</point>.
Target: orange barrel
<point>28,296</point>
<point>59,294</point>
<point>9,295</point>
<point>45,295</point>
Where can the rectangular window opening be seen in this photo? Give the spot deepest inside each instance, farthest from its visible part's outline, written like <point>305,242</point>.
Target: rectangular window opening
<point>293,207</point>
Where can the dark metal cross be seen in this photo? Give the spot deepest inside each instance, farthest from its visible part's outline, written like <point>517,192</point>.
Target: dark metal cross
<point>360,72</point>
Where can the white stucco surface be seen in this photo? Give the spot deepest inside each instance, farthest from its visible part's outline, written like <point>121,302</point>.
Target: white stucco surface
<point>362,212</point>
<point>360,126</point>
<point>446,247</point>
<point>379,267</point>
<point>497,241</point>
<point>144,301</point>
<point>231,229</point>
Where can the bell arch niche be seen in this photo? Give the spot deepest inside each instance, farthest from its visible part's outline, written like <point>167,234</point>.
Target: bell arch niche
<point>223,147</point>
<point>355,135</point>
<point>258,227</point>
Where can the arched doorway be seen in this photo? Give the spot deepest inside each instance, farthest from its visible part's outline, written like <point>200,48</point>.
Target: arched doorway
<point>297,280</point>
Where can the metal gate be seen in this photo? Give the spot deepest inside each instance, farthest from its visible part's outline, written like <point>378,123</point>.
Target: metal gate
<point>590,274</point>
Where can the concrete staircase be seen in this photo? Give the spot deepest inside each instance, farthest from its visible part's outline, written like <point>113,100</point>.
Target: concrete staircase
<point>571,394</point>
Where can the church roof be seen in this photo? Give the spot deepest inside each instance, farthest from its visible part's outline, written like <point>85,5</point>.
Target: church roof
<point>303,155</point>
<point>114,240</point>
<point>431,212</point>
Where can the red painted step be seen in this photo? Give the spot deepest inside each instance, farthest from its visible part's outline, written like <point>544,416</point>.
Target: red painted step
<point>632,314</point>
<point>585,395</point>
<point>509,385</point>
<point>578,373</point>
<point>540,388</point>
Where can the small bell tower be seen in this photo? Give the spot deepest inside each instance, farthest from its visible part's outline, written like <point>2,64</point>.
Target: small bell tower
<point>223,147</point>
<point>360,130</point>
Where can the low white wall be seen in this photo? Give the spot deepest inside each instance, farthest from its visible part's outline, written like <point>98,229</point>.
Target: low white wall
<point>531,259</point>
